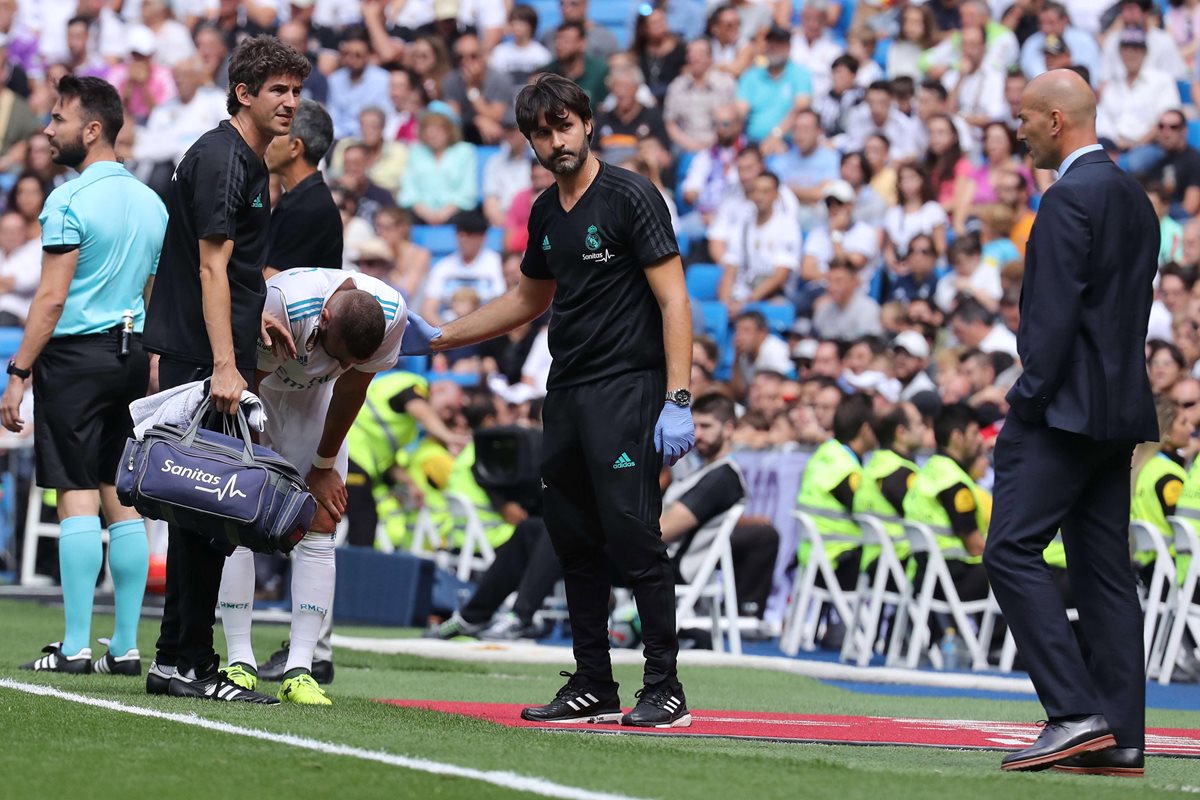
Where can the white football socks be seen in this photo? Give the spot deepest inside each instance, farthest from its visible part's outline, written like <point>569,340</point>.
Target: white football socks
<point>236,601</point>
<point>313,571</point>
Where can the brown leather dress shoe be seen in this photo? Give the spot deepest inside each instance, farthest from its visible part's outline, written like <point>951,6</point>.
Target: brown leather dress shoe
<point>1123,762</point>
<point>1062,739</point>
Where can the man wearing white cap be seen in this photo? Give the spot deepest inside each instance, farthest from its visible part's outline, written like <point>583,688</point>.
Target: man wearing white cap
<point>910,352</point>
<point>841,238</point>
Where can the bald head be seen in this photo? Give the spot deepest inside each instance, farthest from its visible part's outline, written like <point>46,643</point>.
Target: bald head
<point>1058,116</point>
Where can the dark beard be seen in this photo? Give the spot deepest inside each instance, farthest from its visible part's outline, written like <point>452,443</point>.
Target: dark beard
<point>71,154</point>
<point>569,168</point>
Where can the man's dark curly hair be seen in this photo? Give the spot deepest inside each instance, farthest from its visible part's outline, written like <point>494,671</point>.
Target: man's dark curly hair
<point>258,59</point>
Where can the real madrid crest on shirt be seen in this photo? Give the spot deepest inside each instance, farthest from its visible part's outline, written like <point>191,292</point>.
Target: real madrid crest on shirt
<point>593,240</point>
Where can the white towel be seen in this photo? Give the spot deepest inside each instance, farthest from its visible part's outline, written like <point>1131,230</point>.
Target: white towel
<point>177,406</point>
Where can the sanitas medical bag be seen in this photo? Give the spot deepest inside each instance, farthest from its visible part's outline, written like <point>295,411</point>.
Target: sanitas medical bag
<point>224,487</point>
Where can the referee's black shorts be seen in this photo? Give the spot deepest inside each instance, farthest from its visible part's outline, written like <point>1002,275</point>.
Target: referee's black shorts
<point>81,393</point>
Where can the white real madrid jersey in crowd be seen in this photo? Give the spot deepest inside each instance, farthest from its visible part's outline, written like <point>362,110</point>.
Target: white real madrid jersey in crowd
<point>297,297</point>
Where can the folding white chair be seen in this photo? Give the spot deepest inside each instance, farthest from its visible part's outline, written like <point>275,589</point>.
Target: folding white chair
<point>476,553</point>
<point>871,595</point>
<point>1147,539</point>
<point>714,581</point>
<point>35,530</point>
<point>800,626</point>
<point>1183,611</point>
<point>910,632</point>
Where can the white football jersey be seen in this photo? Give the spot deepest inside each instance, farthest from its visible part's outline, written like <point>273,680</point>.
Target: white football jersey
<point>297,297</point>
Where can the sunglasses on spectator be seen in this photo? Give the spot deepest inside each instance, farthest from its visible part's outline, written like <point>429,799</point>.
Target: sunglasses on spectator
<point>1188,403</point>
<point>920,251</point>
<point>1166,126</point>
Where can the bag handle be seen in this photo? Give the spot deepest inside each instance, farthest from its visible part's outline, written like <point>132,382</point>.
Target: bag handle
<point>189,436</point>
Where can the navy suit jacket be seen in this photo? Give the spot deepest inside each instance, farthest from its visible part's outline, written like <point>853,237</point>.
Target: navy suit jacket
<point>1085,303</point>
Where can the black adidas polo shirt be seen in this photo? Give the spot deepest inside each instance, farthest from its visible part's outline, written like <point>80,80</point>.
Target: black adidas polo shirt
<point>219,189</point>
<point>605,320</point>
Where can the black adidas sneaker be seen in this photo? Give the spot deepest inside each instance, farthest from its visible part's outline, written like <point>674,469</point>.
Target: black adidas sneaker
<point>158,681</point>
<point>55,661</point>
<point>217,687</point>
<point>579,701</point>
<point>660,705</point>
<point>128,664</point>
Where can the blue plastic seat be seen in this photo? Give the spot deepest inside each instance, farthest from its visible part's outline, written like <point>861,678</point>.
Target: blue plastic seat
<point>437,239</point>
<point>780,316</point>
<point>703,281</point>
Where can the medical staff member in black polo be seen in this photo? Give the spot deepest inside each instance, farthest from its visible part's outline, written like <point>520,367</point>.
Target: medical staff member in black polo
<point>601,249</point>
<point>205,321</point>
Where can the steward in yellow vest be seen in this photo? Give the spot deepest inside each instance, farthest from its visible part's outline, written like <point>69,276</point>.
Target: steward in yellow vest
<point>1161,479</point>
<point>831,480</point>
<point>889,473</point>
<point>944,497</point>
<point>398,404</point>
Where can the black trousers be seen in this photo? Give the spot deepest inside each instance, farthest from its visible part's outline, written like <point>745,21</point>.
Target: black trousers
<point>361,513</point>
<point>602,503</point>
<point>1047,479</point>
<point>526,564</point>
<point>194,566</point>
<point>755,548</point>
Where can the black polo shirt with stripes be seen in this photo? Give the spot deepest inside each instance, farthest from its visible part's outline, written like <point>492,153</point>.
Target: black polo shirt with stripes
<point>605,320</point>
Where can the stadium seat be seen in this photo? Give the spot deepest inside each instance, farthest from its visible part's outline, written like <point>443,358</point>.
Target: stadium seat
<point>482,153</point>
<point>780,316</point>
<point>1194,133</point>
<point>799,625</point>
<point>437,239</point>
<point>1182,611</point>
<point>703,281</point>
<point>1185,92</point>
<point>714,581</point>
<point>10,340</point>
<point>911,633</point>
<point>549,15</point>
<point>495,239</point>
<point>881,52</point>
<point>872,594</point>
<point>1147,540</point>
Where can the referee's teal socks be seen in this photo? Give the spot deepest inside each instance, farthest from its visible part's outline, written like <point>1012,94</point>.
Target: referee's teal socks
<point>128,561</point>
<point>79,559</point>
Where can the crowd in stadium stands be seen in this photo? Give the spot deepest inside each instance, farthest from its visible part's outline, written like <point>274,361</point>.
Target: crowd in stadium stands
<point>845,179</point>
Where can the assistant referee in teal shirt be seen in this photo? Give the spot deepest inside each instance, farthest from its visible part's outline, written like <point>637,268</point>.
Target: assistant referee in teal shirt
<point>101,237</point>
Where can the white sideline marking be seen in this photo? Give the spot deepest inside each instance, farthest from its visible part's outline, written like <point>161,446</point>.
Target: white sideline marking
<point>527,653</point>
<point>505,780</point>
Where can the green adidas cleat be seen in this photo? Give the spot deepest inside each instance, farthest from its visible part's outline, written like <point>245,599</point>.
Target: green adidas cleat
<point>243,675</point>
<point>303,690</point>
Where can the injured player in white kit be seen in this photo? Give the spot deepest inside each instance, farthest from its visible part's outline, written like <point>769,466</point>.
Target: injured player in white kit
<point>346,327</point>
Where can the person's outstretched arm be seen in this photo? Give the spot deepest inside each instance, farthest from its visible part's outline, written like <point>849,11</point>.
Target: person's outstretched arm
<point>518,306</point>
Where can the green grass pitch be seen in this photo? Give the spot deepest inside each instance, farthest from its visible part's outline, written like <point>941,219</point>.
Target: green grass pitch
<point>52,747</point>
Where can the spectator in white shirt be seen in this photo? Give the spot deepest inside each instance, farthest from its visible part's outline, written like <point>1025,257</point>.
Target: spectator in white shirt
<point>756,348</point>
<point>978,95</point>
<point>1130,105</point>
<point>974,327</point>
<point>1162,52</point>
<point>506,174</point>
<point>175,125</point>
<point>813,48</point>
<point>973,278</point>
<point>174,39</point>
<point>840,239</point>
<point>733,212</point>
<point>917,213</point>
<point>933,100</point>
<point>880,115</point>
<point>763,253</point>
<point>20,269</point>
<point>472,265</point>
<point>524,55</point>
<point>712,174</point>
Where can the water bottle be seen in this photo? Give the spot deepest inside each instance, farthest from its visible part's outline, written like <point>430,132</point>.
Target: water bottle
<point>950,650</point>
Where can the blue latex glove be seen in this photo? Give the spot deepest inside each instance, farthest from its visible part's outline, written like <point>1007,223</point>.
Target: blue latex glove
<point>674,434</point>
<point>417,336</point>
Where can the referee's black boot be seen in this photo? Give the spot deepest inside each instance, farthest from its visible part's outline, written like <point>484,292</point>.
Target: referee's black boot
<point>660,705</point>
<point>579,701</point>
<point>55,661</point>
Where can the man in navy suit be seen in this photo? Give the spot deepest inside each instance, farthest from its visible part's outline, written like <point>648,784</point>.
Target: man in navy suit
<point>1062,460</point>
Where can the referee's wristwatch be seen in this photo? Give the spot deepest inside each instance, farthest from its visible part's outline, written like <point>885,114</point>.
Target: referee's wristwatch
<point>23,374</point>
<point>680,397</point>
